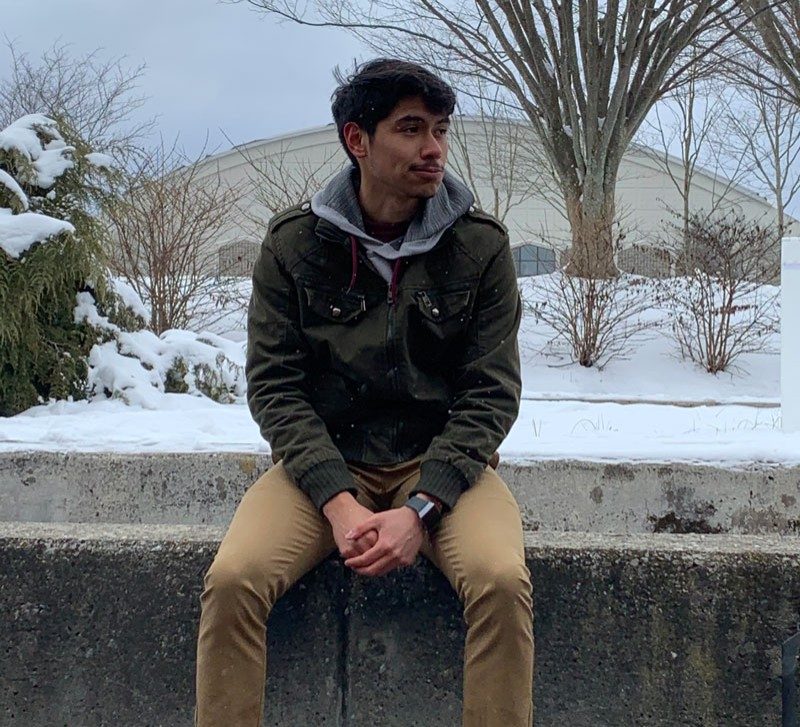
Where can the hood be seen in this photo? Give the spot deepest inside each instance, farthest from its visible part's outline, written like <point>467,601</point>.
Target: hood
<point>338,203</point>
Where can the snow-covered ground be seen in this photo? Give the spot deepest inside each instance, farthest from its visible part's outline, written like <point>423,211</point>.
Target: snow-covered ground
<point>567,411</point>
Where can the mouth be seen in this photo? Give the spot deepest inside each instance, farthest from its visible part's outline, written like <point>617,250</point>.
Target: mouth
<point>428,172</point>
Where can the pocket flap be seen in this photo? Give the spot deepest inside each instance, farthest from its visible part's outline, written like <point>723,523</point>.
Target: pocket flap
<point>339,307</point>
<point>437,306</point>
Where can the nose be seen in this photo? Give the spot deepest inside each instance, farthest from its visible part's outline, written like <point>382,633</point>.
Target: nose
<point>432,148</point>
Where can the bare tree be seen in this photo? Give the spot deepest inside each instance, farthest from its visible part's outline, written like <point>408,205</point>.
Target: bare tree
<point>94,100</point>
<point>764,128</point>
<point>585,74</point>
<point>684,134</point>
<point>721,307</point>
<point>280,179</point>
<point>776,40</point>
<point>498,156</point>
<point>166,223</point>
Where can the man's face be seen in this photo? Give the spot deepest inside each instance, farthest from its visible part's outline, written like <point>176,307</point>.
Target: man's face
<point>407,154</point>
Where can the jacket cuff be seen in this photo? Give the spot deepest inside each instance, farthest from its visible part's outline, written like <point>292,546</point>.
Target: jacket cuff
<point>442,480</point>
<point>326,479</point>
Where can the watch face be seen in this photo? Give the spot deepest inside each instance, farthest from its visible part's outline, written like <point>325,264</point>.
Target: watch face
<point>425,509</point>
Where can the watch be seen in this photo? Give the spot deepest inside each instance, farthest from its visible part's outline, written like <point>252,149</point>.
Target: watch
<point>427,511</point>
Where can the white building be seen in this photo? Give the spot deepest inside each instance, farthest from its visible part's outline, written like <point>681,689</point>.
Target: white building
<point>488,158</point>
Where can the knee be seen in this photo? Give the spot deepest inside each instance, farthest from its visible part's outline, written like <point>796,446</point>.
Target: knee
<point>232,582</point>
<point>503,583</point>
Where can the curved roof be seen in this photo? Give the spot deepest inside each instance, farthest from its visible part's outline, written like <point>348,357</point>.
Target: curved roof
<point>237,149</point>
<point>641,152</point>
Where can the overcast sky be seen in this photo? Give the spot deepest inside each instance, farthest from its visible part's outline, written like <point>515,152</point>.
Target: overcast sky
<point>210,66</point>
<point>213,68</point>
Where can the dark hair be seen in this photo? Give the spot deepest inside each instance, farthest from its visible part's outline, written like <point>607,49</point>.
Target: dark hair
<point>370,93</point>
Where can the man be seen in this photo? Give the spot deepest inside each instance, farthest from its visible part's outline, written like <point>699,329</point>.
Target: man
<point>383,370</point>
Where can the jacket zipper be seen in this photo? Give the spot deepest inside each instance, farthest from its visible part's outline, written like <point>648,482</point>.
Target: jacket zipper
<point>423,298</point>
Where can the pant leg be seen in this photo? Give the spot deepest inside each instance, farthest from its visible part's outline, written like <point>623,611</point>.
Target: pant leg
<point>479,548</point>
<point>276,536</point>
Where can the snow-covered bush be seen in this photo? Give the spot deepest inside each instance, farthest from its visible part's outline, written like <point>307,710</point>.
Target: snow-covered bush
<point>67,329</point>
<point>50,248</point>
<point>139,366</point>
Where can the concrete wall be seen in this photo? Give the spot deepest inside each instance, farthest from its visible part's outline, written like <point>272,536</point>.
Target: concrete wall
<point>553,495</point>
<point>98,627</point>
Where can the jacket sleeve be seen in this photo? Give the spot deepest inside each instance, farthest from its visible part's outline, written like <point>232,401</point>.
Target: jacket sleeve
<point>486,385</point>
<point>278,358</point>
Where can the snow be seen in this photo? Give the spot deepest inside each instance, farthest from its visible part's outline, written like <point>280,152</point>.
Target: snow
<point>790,354</point>
<point>627,411</point>
<point>50,160</point>
<point>652,369</point>
<point>19,232</point>
<point>130,298</point>
<point>86,310</point>
<point>21,135</point>
<point>11,185</point>
<point>134,365</point>
<point>97,159</point>
<point>52,163</point>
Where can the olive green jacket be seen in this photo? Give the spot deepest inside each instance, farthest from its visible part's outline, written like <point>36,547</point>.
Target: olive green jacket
<point>340,370</point>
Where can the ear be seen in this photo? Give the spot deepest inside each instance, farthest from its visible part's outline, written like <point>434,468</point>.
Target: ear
<point>356,139</point>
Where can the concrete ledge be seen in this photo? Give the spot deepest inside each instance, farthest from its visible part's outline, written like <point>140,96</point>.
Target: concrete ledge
<point>98,627</point>
<point>558,495</point>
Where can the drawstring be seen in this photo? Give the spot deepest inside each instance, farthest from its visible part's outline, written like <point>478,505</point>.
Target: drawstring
<point>354,263</point>
<point>393,284</point>
<point>354,268</point>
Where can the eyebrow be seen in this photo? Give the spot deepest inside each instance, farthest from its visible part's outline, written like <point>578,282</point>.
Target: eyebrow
<point>419,120</point>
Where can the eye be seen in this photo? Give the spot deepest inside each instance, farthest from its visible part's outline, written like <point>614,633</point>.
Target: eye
<point>410,129</point>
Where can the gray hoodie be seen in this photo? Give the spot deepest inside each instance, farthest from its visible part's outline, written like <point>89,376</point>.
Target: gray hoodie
<point>338,203</point>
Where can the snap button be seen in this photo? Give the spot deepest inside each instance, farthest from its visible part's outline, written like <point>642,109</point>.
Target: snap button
<point>336,312</point>
<point>305,206</point>
<point>435,312</point>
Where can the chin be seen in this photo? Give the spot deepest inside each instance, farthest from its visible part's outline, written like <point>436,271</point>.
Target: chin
<point>426,192</point>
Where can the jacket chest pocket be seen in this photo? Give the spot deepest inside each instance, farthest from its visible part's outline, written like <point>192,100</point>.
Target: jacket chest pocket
<point>443,315</point>
<point>329,307</point>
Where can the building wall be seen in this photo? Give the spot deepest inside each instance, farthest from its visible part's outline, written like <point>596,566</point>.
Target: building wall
<point>645,196</point>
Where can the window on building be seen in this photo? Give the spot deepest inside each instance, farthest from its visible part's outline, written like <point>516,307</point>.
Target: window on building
<point>534,260</point>
<point>238,258</point>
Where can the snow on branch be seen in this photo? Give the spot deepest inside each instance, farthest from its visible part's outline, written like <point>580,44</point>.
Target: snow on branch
<point>37,140</point>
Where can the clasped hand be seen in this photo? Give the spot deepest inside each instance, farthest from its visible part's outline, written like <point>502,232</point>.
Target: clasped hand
<point>373,544</point>
<point>399,537</point>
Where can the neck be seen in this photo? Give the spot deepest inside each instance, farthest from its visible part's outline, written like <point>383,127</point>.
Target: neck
<point>381,205</point>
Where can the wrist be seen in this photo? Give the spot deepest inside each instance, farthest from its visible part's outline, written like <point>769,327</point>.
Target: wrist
<point>340,501</point>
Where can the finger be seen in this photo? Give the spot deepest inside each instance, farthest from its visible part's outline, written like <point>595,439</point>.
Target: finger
<point>365,542</point>
<point>380,567</point>
<point>374,553</point>
<point>371,523</point>
<point>370,537</point>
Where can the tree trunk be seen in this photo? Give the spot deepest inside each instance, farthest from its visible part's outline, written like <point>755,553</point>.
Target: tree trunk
<point>593,245</point>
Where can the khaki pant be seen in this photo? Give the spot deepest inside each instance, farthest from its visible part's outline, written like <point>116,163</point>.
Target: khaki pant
<point>277,535</point>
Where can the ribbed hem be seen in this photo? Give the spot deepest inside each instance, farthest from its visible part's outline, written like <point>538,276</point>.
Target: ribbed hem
<point>442,480</point>
<point>326,479</point>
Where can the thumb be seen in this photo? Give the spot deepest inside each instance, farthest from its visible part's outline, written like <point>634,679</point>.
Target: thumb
<point>371,523</point>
